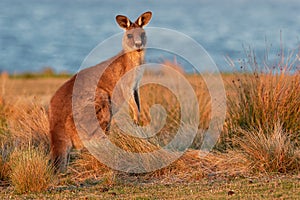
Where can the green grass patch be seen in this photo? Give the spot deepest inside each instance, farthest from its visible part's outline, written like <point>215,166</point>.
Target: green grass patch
<point>238,188</point>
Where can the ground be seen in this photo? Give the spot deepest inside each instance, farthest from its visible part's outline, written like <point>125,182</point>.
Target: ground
<point>277,187</point>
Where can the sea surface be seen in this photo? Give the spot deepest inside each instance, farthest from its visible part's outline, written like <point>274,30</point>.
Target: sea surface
<point>35,34</point>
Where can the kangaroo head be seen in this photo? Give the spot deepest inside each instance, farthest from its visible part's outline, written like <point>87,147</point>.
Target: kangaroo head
<point>135,36</point>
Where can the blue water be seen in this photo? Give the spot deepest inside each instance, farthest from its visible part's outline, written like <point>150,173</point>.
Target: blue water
<point>38,33</point>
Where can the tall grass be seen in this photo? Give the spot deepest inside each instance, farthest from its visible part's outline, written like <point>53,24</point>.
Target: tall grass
<point>24,147</point>
<point>156,94</point>
<point>261,96</point>
<point>24,142</point>
<point>263,121</point>
<point>3,121</point>
<point>5,146</point>
<point>28,124</point>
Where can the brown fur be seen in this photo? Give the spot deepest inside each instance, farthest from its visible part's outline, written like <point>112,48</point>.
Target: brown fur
<point>63,132</point>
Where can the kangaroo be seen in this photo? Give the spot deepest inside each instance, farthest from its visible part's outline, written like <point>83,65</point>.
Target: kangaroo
<point>63,134</point>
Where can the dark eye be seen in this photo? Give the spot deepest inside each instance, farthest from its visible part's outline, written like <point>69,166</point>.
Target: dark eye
<point>143,35</point>
<point>129,36</point>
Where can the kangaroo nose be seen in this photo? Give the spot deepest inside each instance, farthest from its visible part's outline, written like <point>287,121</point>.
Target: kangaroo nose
<point>138,44</point>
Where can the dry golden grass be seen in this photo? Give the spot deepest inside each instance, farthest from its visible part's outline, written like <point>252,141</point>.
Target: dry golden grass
<point>195,165</point>
<point>25,90</point>
<point>260,98</point>
<point>272,152</point>
<point>30,171</point>
<point>28,124</point>
<point>257,102</point>
<point>24,133</point>
<point>264,99</point>
<point>192,166</point>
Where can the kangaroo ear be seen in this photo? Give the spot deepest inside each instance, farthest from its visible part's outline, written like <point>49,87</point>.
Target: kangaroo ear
<point>123,21</point>
<point>144,19</point>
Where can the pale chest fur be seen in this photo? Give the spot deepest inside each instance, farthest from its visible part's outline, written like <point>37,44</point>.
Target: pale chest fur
<point>134,62</point>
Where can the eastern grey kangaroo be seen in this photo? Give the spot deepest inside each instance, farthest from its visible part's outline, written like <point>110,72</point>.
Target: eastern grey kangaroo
<point>63,134</point>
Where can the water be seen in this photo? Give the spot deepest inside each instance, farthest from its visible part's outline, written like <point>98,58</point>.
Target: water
<point>39,33</point>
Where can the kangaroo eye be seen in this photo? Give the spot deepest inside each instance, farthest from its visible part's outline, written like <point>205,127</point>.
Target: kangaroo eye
<point>129,36</point>
<point>143,35</point>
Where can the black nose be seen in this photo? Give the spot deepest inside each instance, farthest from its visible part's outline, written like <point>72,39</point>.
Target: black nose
<point>138,45</point>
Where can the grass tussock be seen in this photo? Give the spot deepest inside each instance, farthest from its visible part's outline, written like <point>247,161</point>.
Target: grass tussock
<point>262,96</point>
<point>30,171</point>
<point>274,152</point>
